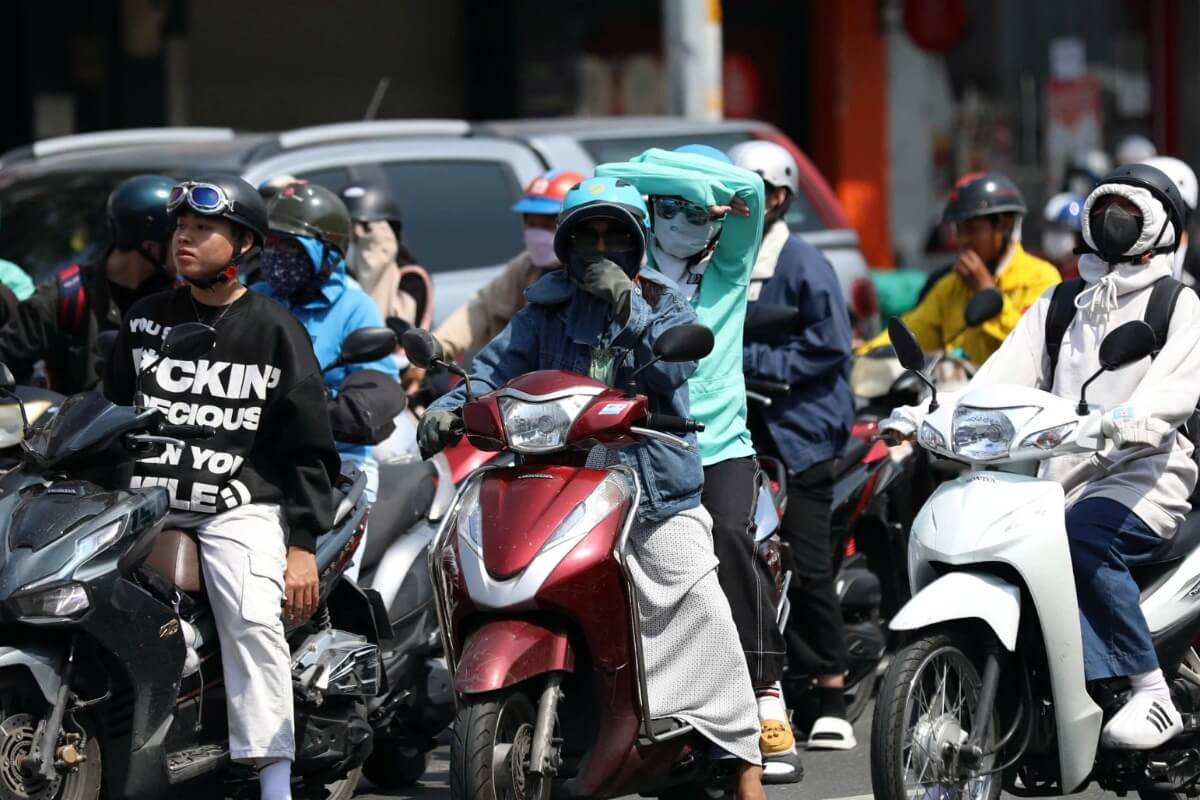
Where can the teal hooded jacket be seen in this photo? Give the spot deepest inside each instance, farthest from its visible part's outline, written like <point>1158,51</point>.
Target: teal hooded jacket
<point>718,387</point>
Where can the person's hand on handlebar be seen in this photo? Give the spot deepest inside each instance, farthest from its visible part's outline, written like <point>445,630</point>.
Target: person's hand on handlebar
<point>896,430</point>
<point>438,429</point>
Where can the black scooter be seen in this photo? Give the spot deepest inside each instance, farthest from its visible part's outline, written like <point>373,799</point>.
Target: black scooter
<point>93,594</point>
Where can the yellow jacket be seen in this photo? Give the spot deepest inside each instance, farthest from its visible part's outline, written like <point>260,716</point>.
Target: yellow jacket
<point>1022,279</point>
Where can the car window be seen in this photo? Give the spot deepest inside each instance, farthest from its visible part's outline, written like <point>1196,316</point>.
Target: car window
<point>54,220</point>
<point>333,179</point>
<point>457,214</point>
<point>801,216</point>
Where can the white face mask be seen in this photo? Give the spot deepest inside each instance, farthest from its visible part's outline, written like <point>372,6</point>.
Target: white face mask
<point>1058,244</point>
<point>539,243</point>
<point>682,239</point>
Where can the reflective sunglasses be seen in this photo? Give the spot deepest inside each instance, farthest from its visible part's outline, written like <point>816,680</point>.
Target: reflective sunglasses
<point>207,198</point>
<point>615,241</point>
<point>668,207</point>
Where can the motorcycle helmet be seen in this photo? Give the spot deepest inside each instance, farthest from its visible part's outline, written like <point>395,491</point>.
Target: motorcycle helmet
<point>772,161</point>
<point>308,209</point>
<point>545,193</point>
<point>981,194</point>
<point>1181,174</point>
<point>1064,209</point>
<point>225,197</point>
<point>1134,148</point>
<point>1159,186</point>
<point>370,204</point>
<point>137,211</point>
<point>604,197</point>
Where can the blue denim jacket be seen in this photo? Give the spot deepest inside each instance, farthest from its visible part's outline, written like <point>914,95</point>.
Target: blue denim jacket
<point>558,328</point>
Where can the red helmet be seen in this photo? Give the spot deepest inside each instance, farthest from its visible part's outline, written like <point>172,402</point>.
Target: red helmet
<point>545,193</point>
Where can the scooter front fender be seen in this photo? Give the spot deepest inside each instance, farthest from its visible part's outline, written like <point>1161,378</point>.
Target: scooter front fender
<point>508,651</point>
<point>43,661</point>
<point>965,595</point>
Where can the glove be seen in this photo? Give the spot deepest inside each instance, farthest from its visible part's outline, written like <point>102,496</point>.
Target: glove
<point>1126,428</point>
<point>437,430</point>
<point>607,281</point>
<point>896,429</point>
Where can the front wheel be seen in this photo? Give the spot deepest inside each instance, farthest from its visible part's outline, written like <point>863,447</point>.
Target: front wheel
<point>489,755</point>
<point>925,711</point>
<point>17,728</point>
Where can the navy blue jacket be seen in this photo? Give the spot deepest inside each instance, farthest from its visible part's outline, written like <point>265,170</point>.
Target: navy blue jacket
<point>811,424</point>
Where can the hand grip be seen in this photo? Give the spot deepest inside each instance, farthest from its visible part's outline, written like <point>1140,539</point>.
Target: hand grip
<point>768,387</point>
<point>187,431</point>
<point>669,423</point>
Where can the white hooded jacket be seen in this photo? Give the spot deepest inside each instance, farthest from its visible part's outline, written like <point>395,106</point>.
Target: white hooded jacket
<point>1148,467</point>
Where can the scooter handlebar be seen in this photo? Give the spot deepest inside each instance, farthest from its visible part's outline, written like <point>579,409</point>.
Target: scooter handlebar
<point>187,431</point>
<point>668,423</point>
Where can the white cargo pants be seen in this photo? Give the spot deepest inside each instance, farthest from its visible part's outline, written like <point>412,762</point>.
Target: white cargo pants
<point>244,554</point>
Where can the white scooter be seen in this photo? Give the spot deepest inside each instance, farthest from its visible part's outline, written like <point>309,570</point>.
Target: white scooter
<point>990,693</point>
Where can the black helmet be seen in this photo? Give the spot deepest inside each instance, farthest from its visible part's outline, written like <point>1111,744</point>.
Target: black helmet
<point>137,211</point>
<point>981,194</point>
<point>1160,185</point>
<point>308,209</point>
<point>238,202</point>
<point>370,204</point>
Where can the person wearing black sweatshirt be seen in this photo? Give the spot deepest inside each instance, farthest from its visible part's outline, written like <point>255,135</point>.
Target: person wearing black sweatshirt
<point>259,491</point>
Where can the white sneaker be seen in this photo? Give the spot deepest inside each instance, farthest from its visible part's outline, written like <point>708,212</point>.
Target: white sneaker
<point>1144,723</point>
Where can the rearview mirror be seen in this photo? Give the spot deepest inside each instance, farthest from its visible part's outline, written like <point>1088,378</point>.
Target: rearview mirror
<point>421,348</point>
<point>908,350</point>
<point>684,343</point>
<point>7,382</point>
<point>985,305</point>
<point>765,321</point>
<point>367,344</point>
<point>189,341</point>
<point>1128,344</point>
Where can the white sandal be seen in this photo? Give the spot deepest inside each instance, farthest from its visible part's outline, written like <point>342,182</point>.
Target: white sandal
<point>831,733</point>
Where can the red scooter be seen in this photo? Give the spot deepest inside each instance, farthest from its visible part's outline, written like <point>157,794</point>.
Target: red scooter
<point>537,610</point>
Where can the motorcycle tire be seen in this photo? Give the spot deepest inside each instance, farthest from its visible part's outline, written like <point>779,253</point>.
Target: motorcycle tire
<point>900,699</point>
<point>489,752</point>
<point>18,723</point>
<point>395,765</point>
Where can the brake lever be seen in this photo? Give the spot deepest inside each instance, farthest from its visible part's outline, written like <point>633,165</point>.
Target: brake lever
<point>665,438</point>
<point>150,439</point>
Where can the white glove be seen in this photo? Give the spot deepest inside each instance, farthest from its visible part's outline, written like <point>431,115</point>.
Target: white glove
<point>1126,428</point>
<point>898,428</point>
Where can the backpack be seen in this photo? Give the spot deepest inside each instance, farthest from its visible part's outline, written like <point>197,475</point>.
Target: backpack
<point>1160,307</point>
<point>72,302</point>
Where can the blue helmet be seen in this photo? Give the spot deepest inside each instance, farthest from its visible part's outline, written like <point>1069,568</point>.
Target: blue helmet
<point>1065,209</point>
<point>603,197</point>
<point>705,150</point>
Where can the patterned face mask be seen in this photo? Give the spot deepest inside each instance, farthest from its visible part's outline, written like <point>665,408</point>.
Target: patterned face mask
<point>288,272</point>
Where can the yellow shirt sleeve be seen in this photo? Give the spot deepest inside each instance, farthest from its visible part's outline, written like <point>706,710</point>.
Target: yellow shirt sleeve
<point>925,321</point>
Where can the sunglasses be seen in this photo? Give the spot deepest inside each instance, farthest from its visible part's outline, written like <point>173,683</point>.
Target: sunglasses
<point>207,198</point>
<point>615,241</point>
<point>668,207</point>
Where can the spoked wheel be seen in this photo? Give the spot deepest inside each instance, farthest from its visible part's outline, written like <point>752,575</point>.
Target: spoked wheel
<point>925,713</point>
<point>17,729</point>
<point>489,756</point>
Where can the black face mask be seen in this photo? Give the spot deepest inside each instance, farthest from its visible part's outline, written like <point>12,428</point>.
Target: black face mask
<point>1114,230</point>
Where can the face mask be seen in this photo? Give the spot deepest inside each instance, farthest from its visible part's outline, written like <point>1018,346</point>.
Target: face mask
<point>287,272</point>
<point>1114,230</point>
<point>1058,244</point>
<point>682,239</point>
<point>539,243</point>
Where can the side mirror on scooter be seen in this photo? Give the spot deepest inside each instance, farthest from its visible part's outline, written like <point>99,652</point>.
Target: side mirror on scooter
<point>365,344</point>
<point>985,305</point>
<point>1126,345</point>
<point>423,350</point>
<point>910,355</point>
<point>769,321</point>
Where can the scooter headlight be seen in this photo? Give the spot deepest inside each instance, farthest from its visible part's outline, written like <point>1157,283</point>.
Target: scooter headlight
<point>604,499</point>
<point>470,518</point>
<point>54,604</point>
<point>540,427</point>
<point>985,434</point>
<point>1051,437</point>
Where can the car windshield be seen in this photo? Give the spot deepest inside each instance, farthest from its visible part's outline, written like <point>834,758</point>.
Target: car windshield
<point>54,220</point>
<point>801,216</point>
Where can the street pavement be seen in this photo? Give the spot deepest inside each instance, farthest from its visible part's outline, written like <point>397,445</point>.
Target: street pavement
<point>828,776</point>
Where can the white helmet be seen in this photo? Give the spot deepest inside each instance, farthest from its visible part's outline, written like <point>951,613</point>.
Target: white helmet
<point>773,162</point>
<point>1134,148</point>
<point>1181,174</point>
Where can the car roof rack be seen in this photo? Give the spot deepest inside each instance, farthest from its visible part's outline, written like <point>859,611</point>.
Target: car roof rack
<point>119,138</point>
<point>371,129</point>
